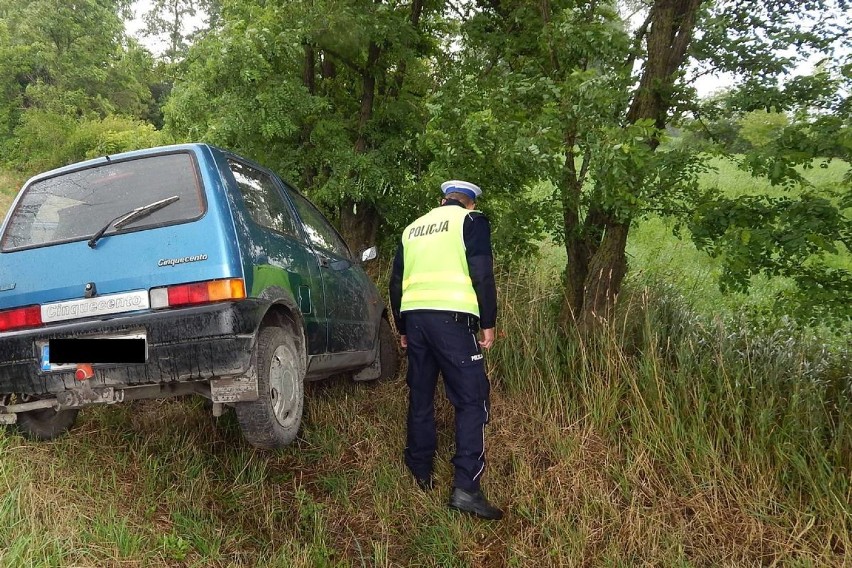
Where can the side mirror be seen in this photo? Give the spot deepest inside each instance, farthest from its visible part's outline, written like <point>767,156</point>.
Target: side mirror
<point>369,254</point>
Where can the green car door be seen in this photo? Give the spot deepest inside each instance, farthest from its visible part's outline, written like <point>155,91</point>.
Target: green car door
<point>280,260</point>
<point>353,305</point>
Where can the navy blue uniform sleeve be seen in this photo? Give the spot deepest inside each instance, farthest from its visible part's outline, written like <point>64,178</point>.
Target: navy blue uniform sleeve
<point>395,290</point>
<point>480,262</point>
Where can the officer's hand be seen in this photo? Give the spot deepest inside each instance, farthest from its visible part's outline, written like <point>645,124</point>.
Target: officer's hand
<point>487,338</point>
<point>403,341</point>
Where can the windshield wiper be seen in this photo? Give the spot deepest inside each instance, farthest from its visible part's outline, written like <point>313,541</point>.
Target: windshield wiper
<point>131,216</point>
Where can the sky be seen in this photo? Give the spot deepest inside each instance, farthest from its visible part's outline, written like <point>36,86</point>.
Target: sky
<point>156,45</point>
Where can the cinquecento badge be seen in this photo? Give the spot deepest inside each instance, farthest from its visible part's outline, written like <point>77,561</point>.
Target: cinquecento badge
<point>181,260</point>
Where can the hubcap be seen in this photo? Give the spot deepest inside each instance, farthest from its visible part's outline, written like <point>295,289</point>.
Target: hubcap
<point>282,386</point>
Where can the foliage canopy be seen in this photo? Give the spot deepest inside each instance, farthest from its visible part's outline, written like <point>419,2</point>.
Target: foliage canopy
<point>567,112</point>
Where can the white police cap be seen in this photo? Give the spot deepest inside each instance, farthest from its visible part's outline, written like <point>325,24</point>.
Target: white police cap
<point>457,185</point>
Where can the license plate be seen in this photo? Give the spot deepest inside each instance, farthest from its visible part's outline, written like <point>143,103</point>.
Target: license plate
<point>46,365</point>
<point>68,352</point>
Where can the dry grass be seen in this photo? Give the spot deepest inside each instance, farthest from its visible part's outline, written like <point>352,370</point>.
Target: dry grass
<point>10,183</point>
<point>156,483</point>
<point>5,201</point>
<point>599,458</point>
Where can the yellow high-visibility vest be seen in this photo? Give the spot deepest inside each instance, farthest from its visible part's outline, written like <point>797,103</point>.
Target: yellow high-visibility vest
<point>436,276</point>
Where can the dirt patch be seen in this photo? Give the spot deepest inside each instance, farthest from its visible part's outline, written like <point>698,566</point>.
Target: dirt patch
<point>5,202</point>
<point>9,185</point>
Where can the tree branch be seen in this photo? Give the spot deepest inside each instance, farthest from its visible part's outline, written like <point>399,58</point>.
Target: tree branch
<point>343,59</point>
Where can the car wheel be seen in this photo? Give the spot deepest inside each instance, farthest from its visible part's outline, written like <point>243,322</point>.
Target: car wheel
<point>388,351</point>
<point>45,423</point>
<point>272,421</point>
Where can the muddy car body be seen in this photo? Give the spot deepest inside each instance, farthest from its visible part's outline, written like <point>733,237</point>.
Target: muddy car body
<point>177,270</point>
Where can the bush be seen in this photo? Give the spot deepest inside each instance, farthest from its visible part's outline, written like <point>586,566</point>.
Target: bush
<point>46,139</point>
<point>111,135</point>
<point>37,140</point>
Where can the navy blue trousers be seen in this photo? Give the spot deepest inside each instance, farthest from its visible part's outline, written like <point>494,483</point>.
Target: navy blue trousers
<point>437,342</point>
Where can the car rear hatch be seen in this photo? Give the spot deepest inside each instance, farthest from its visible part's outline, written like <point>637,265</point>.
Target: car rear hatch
<point>93,242</point>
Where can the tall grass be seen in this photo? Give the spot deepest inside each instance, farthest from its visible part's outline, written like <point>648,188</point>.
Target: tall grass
<point>672,440</point>
<point>720,433</point>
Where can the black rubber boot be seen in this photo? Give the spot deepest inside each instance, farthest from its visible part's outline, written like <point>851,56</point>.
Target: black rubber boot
<point>425,483</point>
<point>475,503</point>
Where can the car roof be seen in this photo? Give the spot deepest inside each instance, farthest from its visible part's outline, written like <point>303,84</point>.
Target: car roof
<point>101,160</point>
<point>191,147</point>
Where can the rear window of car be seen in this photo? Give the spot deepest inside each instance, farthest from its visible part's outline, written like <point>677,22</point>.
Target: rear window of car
<point>78,204</point>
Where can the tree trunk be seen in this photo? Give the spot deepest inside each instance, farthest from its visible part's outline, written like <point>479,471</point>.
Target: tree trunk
<point>672,24</point>
<point>578,259</point>
<point>359,220</point>
<point>368,95</point>
<point>596,253</point>
<point>309,71</point>
<point>328,69</point>
<point>604,277</point>
<point>359,223</point>
<point>396,86</point>
<point>576,270</point>
<point>309,80</point>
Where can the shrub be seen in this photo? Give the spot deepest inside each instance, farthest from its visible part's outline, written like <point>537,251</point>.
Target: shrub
<point>46,139</point>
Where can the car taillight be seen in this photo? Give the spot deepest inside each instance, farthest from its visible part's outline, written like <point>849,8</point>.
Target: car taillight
<point>198,293</point>
<point>29,316</point>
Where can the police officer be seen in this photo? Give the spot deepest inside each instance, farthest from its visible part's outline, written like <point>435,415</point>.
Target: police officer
<point>442,292</point>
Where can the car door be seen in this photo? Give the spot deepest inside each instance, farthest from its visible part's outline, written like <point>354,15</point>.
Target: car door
<point>351,300</point>
<point>281,261</point>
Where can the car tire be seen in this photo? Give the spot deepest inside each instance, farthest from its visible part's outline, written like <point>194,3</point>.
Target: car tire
<point>46,423</point>
<point>272,421</point>
<point>388,351</point>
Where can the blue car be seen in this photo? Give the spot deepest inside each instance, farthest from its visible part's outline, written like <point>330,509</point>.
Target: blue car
<point>178,270</point>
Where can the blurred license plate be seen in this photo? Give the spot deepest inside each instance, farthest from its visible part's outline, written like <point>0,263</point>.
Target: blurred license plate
<point>64,353</point>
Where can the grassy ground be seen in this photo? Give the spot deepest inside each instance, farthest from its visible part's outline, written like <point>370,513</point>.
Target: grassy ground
<point>628,453</point>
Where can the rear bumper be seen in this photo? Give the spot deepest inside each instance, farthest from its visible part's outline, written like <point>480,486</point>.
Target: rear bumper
<point>186,344</point>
